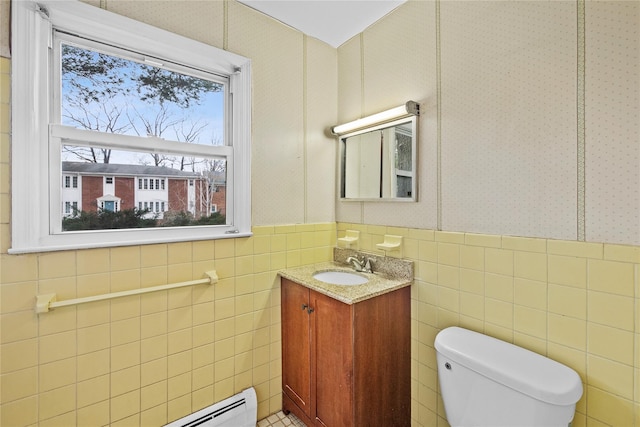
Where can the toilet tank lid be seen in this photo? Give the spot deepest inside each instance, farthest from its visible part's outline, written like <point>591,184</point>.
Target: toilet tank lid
<point>515,367</point>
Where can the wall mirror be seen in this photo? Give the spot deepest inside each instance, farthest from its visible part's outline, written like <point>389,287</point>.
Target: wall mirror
<point>379,162</point>
<point>378,156</point>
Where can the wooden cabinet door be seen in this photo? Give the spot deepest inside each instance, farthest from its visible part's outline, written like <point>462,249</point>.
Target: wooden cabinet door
<point>332,339</point>
<point>296,350</point>
<point>382,367</point>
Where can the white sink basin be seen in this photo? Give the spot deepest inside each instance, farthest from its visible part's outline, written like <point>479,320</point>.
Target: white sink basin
<point>340,278</point>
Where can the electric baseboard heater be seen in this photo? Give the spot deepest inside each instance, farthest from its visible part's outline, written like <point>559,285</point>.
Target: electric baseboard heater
<point>240,410</point>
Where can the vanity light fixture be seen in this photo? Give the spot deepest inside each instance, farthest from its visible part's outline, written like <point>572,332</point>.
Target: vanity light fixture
<point>410,108</point>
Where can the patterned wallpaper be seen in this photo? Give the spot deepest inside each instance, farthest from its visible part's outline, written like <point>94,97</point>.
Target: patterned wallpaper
<point>531,115</point>
<point>509,118</point>
<point>612,116</point>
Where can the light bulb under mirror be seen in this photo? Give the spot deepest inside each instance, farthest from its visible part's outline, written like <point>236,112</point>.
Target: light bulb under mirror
<point>378,163</point>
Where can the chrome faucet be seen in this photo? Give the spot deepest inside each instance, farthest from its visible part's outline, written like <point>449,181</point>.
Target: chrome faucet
<point>363,265</point>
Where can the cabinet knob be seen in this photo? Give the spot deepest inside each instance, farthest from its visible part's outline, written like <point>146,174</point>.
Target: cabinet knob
<point>304,306</point>
<point>309,310</point>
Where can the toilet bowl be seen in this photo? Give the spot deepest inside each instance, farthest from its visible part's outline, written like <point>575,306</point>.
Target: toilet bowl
<point>488,382</point>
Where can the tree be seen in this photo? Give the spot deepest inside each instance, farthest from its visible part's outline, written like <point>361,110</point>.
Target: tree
<point>108,220</point>
<point>183,130</point>
<point>155,125</point>
<point>188,133</point>
<point>159,85</point>
<point>103,117</point>
<point>93,75</point>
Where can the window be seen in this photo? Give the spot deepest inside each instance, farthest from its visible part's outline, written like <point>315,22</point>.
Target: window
<point>52,118</point>
<point>108,180</point>
<point>70,181</point>
<point>70,208</point>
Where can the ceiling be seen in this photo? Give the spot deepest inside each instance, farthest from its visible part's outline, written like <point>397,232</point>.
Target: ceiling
<point>332,21</point>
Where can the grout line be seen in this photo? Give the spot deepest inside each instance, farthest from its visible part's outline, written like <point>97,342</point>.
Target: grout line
<point>225,25</point>
<point>305,172</point>
<point>362,103</point>
<point>439,119</point>
<point>581,121</point>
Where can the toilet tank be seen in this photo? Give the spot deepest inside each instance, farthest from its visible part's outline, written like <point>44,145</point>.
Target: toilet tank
<point>488,382</point>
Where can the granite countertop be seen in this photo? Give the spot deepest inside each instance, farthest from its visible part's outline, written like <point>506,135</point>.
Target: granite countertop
<point>378,284</point>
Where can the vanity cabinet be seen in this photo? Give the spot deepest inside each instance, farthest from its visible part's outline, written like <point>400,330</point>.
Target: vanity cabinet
<point>346,365</point>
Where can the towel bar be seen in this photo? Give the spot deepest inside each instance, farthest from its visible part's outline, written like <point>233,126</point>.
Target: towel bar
<point>47,302</point>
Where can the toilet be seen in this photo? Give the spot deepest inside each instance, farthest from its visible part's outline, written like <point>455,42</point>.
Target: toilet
<point>488,382</point>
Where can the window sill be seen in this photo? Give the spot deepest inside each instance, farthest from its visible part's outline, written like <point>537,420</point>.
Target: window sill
<point>111,243</point>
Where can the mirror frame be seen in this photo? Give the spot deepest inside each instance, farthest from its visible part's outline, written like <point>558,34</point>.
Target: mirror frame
<point>414,161</point>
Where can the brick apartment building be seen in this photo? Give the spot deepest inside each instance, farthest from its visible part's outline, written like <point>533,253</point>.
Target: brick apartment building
<point>160,189</point>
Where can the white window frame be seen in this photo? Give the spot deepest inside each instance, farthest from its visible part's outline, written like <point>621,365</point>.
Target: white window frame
<point>35,162</point>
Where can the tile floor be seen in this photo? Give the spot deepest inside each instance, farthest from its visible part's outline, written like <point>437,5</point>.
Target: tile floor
<point>281,420</point>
